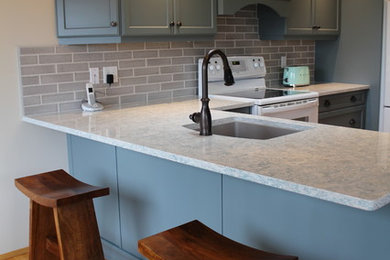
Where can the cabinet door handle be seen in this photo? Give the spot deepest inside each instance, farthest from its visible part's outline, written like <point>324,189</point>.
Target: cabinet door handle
<point>113,23</point>
<point>353,99</point>
<point>327,103</point>
<point>352,122</point>
<point>172,23</point>
<point>179,23</point>
<point>316,27</point>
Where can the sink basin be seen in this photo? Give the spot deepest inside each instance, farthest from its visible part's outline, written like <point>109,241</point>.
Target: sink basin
<point>250,128</point>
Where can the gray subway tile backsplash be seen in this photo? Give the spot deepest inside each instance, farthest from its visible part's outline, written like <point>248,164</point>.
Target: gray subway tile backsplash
<point>36,50</point>
<point>41,109</point>
<point>37,69</point>
<point>39,90</point>
<point>30,80</point>
<point>56,78</point>
<point>28,60</point>
<point>134,100</point>
<point>87,57</point>
<point>72,67</point>
<point>146,71</point>
<point>57,98</point>
<point>53,78</point>
<point>31,100</point>
<point>55,58</point>
<point>147,88</point>
<point>71,48</point>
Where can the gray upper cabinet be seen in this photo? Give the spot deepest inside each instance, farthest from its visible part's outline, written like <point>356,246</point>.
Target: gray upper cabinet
<point>310,19</point>
<point>196,16</point>
<point>168,17</point>
<point>313,17</point>
<point>146,17</point>
<point>114,21</point>
<point>87,18</point>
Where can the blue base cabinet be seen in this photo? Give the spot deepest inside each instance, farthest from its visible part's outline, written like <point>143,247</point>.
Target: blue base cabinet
<point>289,223</point>
<point>149,195</point>
<point>157,194</point>
<point>95,164</point>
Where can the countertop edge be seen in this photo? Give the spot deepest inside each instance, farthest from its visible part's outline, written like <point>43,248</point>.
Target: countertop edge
<point>342,199</point>
<point>335,92</point>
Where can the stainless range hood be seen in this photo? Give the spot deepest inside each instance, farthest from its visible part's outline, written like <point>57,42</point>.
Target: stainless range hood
<point>229,7</point>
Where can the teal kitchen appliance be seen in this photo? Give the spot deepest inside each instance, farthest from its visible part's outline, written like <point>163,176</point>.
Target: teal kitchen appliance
<point>296,76</point>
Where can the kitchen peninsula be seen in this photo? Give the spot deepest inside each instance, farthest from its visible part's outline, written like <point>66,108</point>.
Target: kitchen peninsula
<point>321,193</point>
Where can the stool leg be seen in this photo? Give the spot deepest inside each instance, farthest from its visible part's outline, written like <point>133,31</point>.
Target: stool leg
<point>77,231</point>
<point>41,226</point>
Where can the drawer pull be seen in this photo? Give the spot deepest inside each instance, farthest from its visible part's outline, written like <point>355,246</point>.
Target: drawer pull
<point>327,103</point>
<point>353,99</point>
<point>352,122</point>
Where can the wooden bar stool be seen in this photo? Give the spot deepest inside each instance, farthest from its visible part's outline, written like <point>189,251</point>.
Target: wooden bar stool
<point>62,217</point>
<point>195,241</point>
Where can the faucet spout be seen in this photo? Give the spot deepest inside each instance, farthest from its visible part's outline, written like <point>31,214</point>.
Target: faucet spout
<point>205,115</point>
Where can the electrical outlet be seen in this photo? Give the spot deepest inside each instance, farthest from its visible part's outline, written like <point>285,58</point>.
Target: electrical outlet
<point>283,61</point>
<point>94,75</point>
<point>110,70</point>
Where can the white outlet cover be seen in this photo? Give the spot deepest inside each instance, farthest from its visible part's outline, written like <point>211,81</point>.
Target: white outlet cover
<point>94,75</point>
<point>110,70</point>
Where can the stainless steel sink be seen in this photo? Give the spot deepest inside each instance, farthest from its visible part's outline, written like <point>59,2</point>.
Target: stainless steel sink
<point>250,128</point>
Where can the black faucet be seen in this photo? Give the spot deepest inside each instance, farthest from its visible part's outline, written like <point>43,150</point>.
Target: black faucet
<point>204,117</point>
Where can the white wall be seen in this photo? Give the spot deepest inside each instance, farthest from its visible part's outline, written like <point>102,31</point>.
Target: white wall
<point>24,149</point>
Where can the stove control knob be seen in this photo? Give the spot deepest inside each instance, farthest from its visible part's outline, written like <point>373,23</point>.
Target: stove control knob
<point>211,67</point>
<point>218,67</point>
<point>256,65</point>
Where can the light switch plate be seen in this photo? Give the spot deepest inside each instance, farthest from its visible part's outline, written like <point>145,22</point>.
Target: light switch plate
<point>110,70</point>
<point>94,75</point>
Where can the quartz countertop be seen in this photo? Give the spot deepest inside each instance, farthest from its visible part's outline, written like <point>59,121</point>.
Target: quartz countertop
<point>333,88</point>
<point>342,165</point>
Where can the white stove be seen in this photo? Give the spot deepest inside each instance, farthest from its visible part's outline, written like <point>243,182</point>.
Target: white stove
<point>249,73</point>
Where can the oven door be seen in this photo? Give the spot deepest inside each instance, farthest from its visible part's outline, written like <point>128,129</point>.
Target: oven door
<point>301,110</point>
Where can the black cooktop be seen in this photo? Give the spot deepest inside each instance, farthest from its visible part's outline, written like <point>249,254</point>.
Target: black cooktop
<point>260,93</point>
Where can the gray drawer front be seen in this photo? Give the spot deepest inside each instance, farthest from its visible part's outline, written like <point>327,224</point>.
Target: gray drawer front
<point>332,102</point>
<point>348,117</point>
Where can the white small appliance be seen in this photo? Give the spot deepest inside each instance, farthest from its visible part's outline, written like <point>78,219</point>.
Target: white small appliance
<point>92,105</point>
<point>249,73</point>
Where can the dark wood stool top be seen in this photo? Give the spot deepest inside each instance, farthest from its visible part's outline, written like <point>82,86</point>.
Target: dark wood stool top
<point>195,241</point>
<point>56,188</point>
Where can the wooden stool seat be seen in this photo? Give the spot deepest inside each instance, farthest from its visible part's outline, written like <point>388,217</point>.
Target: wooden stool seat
<point>62,217</point>
<point>53,189</point>
<point>195,241</point>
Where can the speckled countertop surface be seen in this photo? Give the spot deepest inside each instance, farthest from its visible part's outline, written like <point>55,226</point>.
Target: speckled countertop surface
<point>333,88</point>
<point>341,165</point>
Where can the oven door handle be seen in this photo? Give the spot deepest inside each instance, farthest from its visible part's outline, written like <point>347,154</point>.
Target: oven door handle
<point>271,109</point>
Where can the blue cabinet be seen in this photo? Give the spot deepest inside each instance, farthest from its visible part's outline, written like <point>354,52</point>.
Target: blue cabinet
<point>95,163</point>
<point>87,18</point>
<point>149,195</point>
<point>289,223</point>
<point>111,21</point>
<point>168,17</point>
<point>157,194</point>
<point>299,19</point>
